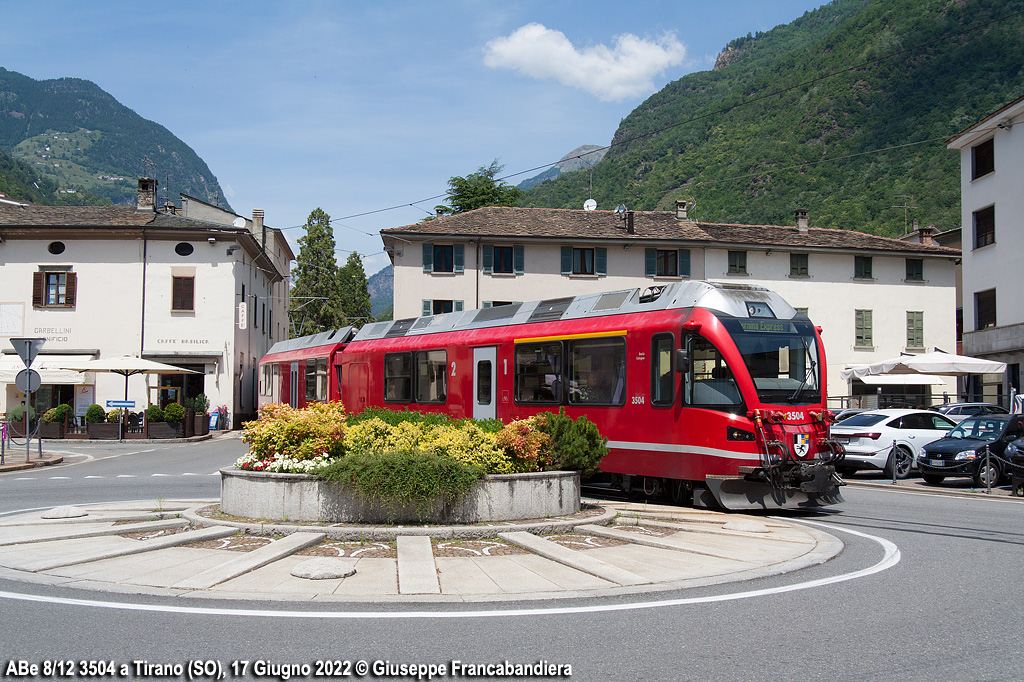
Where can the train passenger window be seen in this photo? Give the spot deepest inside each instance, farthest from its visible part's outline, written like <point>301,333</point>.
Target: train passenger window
<point>275,382</point>
<point>431,376</point>
<point>539,373</point>
<point>398,377</point>
<point>483,382</point>
<point>662,383</point>
<point>316,380</point>
<point>597,371</point>
<point>710,383</point>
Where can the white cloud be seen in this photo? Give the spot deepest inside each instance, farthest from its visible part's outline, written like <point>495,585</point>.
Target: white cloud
<point>611,74</point>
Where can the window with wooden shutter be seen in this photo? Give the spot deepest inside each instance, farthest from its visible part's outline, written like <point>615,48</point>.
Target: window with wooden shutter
<point>183,293</point>
<point>54,289</point>
<point>984,227</point>
<point>915,329</point>
<point>864,337</point>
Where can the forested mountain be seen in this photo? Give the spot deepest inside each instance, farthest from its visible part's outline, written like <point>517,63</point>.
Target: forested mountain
<point>382,292</point>
<point>88,148</point>
<point>844,112</point>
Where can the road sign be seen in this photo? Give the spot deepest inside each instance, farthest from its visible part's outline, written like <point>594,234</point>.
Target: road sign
<point>27,349</point>
<point>28,381</point>
<point>120,403</point>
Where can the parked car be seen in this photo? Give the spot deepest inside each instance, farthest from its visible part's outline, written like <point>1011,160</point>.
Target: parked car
<point>847,413</point>
<point>960,411</point>
<point>870,437</point>
<point>962,452</point>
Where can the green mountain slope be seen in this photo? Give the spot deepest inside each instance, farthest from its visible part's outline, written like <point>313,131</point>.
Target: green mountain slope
<point>72,132</point>
<point>785,122</point>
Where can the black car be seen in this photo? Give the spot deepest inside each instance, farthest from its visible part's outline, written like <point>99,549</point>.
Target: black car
<point>962,451</point>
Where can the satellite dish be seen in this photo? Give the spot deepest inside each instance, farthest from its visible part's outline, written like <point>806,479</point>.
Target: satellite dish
<point>589,205</point>
<point>621,208</point>
<point>238,222</point>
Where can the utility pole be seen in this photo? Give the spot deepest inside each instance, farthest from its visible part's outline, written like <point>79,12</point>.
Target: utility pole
<point>908,199</point>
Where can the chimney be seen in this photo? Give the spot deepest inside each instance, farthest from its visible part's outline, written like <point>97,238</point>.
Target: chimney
<point>681,209</point>
<point>629,222</point>
<point>259,230</point>
<point>801,220</point>
<point>147,195</point>
<point>439,211</point>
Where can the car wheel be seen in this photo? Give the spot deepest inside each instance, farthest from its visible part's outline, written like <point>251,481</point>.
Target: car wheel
<point>933,479</point>
<point>902,459</point>
<point>984,476</point>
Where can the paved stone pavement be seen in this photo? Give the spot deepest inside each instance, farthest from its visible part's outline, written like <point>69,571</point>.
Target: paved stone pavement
<point>159,547</point>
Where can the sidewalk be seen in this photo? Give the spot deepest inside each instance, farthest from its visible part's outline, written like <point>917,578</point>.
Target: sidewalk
<point>951,486</point>
<point>617,548</point>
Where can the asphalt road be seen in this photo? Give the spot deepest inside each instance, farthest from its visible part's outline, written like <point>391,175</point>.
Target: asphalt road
<point>950,608</point>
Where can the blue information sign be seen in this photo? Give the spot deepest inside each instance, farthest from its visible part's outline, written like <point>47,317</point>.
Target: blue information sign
<point>120,403</point>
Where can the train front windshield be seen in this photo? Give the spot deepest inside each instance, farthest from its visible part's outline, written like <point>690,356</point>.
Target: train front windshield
<point>782,358</point>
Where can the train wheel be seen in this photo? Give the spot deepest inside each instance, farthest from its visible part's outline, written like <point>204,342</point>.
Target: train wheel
<point>679,492</point>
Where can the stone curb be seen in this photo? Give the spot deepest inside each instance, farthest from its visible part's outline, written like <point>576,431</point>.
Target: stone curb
<point>48,460</point>
<point>391,532</point>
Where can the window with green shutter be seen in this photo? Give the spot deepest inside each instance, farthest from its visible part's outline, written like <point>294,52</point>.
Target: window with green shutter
<point>863,335</point>
<point>915,329</point>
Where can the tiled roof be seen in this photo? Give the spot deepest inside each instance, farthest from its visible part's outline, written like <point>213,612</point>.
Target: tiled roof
<point>556,223</point>
<point>35,215</point>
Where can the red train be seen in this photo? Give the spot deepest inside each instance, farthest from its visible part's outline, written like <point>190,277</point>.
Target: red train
<point>712,394</point>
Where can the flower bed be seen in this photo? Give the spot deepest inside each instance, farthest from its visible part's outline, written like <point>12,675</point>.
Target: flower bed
<point>302,497</point>
<point>411,465</point>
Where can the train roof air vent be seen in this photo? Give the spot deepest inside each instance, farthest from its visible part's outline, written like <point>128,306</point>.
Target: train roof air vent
<point>551,309</point>
<point>400,327</point>
<point>612,300</point>
<point>499,312</point>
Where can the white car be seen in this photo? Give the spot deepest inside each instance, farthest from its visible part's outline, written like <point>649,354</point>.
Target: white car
<point>869,438</point>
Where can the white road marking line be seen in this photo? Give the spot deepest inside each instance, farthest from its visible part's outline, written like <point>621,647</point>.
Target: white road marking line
<point>890,558</point>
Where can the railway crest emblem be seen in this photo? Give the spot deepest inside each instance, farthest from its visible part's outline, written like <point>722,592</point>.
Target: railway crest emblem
<point>801,444</point>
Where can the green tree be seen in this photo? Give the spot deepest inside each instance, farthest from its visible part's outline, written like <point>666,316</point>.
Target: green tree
<point>353,292</point>
<point>315,304</point>
<point>479,189</point>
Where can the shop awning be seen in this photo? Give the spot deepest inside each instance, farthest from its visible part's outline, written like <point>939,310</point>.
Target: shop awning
<point>50,368</point>
<point>903,380</point>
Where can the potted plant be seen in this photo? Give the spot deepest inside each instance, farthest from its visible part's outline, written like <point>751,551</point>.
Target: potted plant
<point>201,418</point>
<point>170,424</point>
<point>96,424</point>
<point>16,420</point>
<point>55,421</point>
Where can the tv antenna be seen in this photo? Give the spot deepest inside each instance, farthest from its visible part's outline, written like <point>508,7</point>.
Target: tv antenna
<point>908,199</point>
<point>147,162</point>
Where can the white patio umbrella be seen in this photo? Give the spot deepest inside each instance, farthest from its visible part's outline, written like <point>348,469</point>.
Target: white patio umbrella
<point>127,366</point>
<point>936,362</point>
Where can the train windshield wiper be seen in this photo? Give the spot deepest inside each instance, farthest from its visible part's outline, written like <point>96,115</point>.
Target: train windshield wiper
<point>809,373</point>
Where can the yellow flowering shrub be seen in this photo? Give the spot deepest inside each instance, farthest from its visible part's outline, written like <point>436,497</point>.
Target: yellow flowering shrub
<point>299,434</point>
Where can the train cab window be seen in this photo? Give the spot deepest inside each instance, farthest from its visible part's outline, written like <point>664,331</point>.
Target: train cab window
<point>316,380</point>
<point>538,369</point>
<point>710,383</point>
<point>597,371</point>
<point>662,377</point>
<point>431,376</point>
<point>398,377</point>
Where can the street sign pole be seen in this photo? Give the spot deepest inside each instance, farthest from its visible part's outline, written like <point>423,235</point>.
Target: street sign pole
<point>28,349</point>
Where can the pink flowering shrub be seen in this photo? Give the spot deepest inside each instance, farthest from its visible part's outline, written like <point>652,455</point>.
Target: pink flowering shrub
<point>527,446</point>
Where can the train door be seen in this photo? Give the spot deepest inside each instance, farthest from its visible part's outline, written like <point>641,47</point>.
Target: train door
<point>293,388</point>
<point>357,386</point>
<point>484,392</point>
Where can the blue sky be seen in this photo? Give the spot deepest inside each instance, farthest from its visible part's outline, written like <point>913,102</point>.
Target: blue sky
<point>354,107</point>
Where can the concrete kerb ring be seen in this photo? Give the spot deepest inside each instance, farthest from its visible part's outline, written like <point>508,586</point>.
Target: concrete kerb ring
<point>552,526</point>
